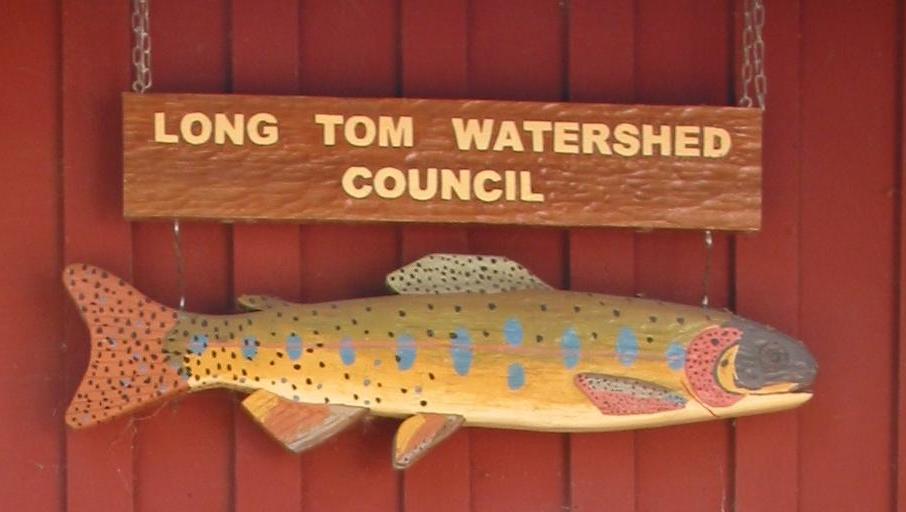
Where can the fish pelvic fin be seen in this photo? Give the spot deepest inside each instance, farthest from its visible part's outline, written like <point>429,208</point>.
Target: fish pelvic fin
<point>128,367</point>
<point>299,426</point>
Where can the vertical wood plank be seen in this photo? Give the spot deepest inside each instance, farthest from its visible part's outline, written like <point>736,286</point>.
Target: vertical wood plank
<point>434,51</point>
<point>266,258</point>
<point>350,48</point>
<point>96,68</point>
<point>602,69</point>
<point>31,432</point>
<point>683,57</point>
<point>900,454</point>
<point>518,54</point>
<point>767,269</point>
<point>185,448</point>
<point>847,253</point>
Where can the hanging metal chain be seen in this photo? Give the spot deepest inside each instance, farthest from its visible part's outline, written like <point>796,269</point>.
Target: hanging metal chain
<point>706,279</point>
<point>141,60</point>
<point>141,52</point>
<point>753,75</point>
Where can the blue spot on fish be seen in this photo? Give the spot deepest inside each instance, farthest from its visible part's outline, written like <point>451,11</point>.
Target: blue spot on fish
<point>512,331</point>
<point>461,351</point>
<point>347,351</point>
<point>515,376</point>
<point>250,347</point>
<point>198,344</point>
<point>627,347</point>
<point>571,347</point>
<point>294,347</point>
<point>676,356</point>
<point>405,352</point>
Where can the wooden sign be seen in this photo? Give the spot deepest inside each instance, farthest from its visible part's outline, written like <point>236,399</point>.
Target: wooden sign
<point>281,158</point>
<point>466,341</point>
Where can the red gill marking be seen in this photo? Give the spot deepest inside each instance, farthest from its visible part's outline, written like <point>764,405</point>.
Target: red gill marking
<point>702,357</point>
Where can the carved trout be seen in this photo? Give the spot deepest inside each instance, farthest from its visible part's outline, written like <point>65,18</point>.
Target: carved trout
<point>467,340</point>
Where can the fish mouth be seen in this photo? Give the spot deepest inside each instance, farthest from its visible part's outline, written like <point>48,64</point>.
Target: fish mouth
<point>782,387</point>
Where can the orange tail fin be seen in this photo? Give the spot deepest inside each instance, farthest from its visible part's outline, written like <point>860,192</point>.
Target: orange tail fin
<point>128,368</point>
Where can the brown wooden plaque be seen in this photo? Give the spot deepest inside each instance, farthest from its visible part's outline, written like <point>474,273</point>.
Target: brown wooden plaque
<point>286,158</point>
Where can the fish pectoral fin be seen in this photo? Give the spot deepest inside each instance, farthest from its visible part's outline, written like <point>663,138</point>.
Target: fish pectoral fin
<point>299,426</point>
<point>615,395</point>
<point>260,302</point>
<point>418,434</point>
<point>463,273</point>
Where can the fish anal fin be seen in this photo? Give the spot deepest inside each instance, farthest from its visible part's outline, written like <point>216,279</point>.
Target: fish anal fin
<point>463,273</point>
<point>260,302</point>
<point>620,396</point>
<point>417,434</point>
<point>299,426</point>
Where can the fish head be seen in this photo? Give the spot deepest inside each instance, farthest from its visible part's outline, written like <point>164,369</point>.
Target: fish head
<point>766,361</point>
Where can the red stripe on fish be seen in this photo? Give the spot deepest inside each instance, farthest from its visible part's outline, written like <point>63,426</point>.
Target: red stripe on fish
<point>702,357</point>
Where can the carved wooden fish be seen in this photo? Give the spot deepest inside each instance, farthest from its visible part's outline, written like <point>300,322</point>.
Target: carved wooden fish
<point>468,340</point>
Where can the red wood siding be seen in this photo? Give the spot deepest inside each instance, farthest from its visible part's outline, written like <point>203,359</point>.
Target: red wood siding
<point>827,266</point>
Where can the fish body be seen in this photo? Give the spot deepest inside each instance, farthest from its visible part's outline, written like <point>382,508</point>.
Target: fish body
<point>501,351</point>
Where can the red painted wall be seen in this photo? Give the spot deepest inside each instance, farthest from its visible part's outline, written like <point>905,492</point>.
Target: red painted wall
<point>827,265</point>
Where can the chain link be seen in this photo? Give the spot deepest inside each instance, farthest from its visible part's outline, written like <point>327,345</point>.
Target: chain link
<point>753,75</point>
<point>141,52</point>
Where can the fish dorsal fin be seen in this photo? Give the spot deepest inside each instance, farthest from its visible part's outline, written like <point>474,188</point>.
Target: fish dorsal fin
<point>418,434</point>
<point>260,302</point>
<point>463,273</point>
<point>299,426</point>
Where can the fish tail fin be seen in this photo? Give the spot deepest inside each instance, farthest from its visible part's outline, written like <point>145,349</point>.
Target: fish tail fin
<point>128,367</point>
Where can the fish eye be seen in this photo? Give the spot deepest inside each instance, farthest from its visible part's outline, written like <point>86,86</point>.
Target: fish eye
<point>772,355</point>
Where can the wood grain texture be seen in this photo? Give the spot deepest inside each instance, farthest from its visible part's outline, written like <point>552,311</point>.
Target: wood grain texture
<point>298,177</point>
<point>31,439</point>
<point>266,258</point>
<point>99,463</point>
<point>602,466</point>
<point>434,51</point>
<point>767,271</point>
<point>189,442</point>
